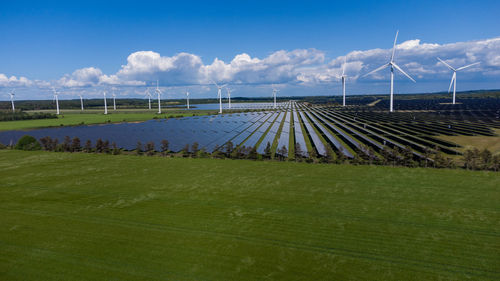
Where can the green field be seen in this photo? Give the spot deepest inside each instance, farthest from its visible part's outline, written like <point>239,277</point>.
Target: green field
<point>102,217</point>
<point>75,117</point>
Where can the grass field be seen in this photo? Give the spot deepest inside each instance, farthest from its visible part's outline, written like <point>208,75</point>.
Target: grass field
<point>102,217</point>
<point>479,142</point>
<point>75,117</point>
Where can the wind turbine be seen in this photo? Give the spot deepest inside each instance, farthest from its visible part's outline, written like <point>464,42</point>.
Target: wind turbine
<point>219,95</point>
<point>187,99</point>
<point>114,101</point>
<point>105,104</point>
<point>454,76</point>
<point>393,65</point>
<point>159,97</point>
<point>148,94</point>
<point>56,99</point>
<point>81,101</point>
<point>275,91</point>
<point>12,100</point>
<point>343,77</point>
<point>229,96</point>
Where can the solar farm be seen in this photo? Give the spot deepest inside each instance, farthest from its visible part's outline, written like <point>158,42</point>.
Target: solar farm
<point>358,130</point>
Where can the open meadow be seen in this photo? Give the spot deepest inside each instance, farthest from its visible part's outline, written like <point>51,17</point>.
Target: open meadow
<point>68,216</point>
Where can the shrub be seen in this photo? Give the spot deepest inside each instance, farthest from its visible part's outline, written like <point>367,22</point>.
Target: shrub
<point>28,143</point>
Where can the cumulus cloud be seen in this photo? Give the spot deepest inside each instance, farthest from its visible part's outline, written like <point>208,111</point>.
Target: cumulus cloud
<point>13,81</point>
<point>419,59</point>
<point>302,67</point>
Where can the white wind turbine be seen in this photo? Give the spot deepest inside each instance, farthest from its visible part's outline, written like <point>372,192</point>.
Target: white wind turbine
<point>219,95</point>
<point>343,77</point>
<point>105,104</point>
<point>12,100</point>
<point>56,99</point>
<point>275,91</point>
<point>187,99</point>
<point>114,101</point>
<point>393,65</point>
<point>81,101</point>
<point>148,95</point>
<point>229,96</point>
<point>159,97</point>
<point>454,76</point>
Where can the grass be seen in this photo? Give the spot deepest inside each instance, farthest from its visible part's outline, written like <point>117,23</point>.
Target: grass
<point>88,217</point>
<point>479,142</point>
<point>75,117</point>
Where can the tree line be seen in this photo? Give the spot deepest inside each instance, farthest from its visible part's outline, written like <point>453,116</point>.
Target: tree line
<point>472,159</point>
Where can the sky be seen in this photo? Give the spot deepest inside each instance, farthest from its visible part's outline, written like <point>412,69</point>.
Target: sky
<point>297,46</point>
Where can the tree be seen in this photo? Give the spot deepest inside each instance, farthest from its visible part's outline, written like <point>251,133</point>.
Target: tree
<point>202,153</point>
<point>470,158</point>
<point>88,146</point>
<point>485,156</point>
<point>408,157</point>
<point>185,150</point>
<point>267,150</point>
<point>229,148</point>
<point>27,142</point>
<point>46,143</point>
<point>114,149</point>
<point>66,145</point>
<point>329,155</point>
<point>105,146</point>
<point>150,148</point>
<point>439,160</point>
<point>495,162</point>
<point>195,148</point>
<point>138,148</point>
<point>386,155</point>
<point>75,144</point>
<point>164,147</point>
<point>282,153</point>
<point>427,155</point>
<point>298,152</point>
<point>341,156</point>
<point>252,153</point>
<point>216,152</point>
<point>99,145</point>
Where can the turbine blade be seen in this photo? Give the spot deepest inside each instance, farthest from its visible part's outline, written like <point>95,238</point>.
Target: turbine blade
<point>453,77</point>
<point>399,68</point>
<point>449,66</point>
<point>343,66</point>
<point>378,69</point>
<point>464,67</point>
<point>394,46</point>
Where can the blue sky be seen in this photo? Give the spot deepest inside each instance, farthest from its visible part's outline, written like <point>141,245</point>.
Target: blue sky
<point>46,42</point>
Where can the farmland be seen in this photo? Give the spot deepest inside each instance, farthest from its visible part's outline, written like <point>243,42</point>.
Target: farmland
<point>87,216</point>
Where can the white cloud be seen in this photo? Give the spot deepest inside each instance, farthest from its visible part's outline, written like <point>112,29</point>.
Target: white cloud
<point>302,67</point>
<point>13,81</point>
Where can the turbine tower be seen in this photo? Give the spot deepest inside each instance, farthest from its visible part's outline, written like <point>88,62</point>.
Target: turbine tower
<point>56,99</point>
<point>105,104</point>
<point>12,101</point>
<point>159,97</point>
<point>454,76</point>
<point>114,101</point>
<point>393,65</point>
<point>343,77</point>
<point>219,95</point>
<point>187,99</point>
<point>148,95</point>
<point>275,91</point>
<point>81,101</point>
<point>229,96</point>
